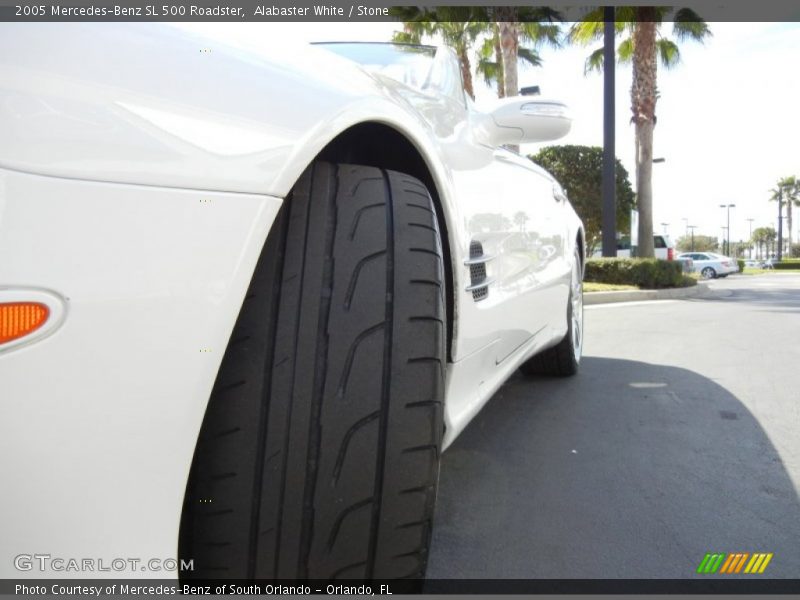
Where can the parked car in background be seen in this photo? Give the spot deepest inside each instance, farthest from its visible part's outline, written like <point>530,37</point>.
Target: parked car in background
<point>687,263</point>
<point>711,265</point>
<point>661,243</point>
<point>769,263</point>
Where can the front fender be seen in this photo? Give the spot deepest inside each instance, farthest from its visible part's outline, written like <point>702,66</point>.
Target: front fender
<point>155,105</point>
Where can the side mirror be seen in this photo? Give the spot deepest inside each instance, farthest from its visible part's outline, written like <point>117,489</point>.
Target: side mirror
<point>523,120</point>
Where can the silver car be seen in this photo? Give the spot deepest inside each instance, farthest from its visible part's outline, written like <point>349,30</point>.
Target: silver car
<point>711,265</point>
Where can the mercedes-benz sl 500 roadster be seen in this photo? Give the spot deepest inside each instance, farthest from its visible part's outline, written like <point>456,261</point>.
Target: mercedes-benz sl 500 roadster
<point>248,297</point>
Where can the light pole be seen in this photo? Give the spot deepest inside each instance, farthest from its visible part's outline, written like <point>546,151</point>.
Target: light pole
<point>692,227</point>
<point>728,207</point>
<point>750,239</point>
<point>609,181</point>
<point>724,236</point>
<point>780,225</point>
<point>665,225</point>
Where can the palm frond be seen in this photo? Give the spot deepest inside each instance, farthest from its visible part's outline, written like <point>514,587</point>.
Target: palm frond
<point>625,17</point>
<point>486,61</point>
<point>585,32</point>
<point>625,51</point>
<point>488,70</point>
<point>407,37</point>
<point>487,48</point>
<point>529,56</point>
<point>595,62</point>
<point>668,52</point>
<point>540,33</point>
<point>688,25</point>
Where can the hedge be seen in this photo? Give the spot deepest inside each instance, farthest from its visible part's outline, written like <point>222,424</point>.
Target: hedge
<point>791,265</point>
<point>648,273</point>
<point>740,262</point>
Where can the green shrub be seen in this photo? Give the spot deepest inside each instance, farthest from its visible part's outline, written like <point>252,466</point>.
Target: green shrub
<point>787,264</point>
<point>648,273</point>
<point>740,262</point>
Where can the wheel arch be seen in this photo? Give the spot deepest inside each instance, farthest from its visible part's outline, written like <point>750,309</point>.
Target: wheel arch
<point>380,145</point>
<point>580,242</point>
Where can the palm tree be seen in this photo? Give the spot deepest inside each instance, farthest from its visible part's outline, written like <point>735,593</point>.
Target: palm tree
<point>787,192</point>
<point>503,27</point>
<point>763,237</point>
<point>758,239</point>
<point>532,33</point>
<point>643,45</point>
<point>510,26</point>
<point>520,219</point>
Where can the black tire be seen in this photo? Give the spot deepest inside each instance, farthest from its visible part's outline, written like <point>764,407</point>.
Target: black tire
<point>318,457</point>
<point>708,273</point>
<point>563,359</point>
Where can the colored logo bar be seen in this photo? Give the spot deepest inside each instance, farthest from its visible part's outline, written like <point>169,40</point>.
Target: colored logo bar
<point>734,562</point>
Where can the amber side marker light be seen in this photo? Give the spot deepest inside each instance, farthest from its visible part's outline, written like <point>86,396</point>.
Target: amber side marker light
<point>18,319</point>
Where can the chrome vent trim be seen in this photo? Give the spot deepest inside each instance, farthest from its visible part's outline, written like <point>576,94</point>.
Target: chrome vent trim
<point>480,260</point>
<point>478,281</point>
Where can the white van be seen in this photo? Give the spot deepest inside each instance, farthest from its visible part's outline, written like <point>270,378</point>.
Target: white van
<point>662,244</point>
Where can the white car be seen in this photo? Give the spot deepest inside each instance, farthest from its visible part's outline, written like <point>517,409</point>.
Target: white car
<point>711,265</point>
<point>251,296</point>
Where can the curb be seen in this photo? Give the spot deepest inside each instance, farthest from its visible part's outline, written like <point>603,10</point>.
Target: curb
<point>696,291</point>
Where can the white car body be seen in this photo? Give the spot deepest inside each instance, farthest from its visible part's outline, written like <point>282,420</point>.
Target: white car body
<point>139,178</point>
<point>711,265</point>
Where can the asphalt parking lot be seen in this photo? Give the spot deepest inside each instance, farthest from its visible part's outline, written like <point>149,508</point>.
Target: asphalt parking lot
<point>680,436</point>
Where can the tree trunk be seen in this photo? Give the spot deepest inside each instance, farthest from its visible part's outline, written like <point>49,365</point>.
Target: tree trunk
<point>644,188</point>
<point>466,72</point>
<point>508,46</point>
<point>509,41</point>
<point>643,106</point>
<point>789,222</point>
<point>498,57</point>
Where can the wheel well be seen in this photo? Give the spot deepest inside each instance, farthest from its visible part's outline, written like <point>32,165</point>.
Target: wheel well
<point>581,250</point>
<point>378,145</point>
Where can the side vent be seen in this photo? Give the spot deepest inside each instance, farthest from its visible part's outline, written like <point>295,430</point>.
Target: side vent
<point>478,281</point>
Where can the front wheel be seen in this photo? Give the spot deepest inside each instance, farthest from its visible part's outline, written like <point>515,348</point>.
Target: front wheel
<point>708,273</point>
<point>563,359</point>
<point>318,457</point>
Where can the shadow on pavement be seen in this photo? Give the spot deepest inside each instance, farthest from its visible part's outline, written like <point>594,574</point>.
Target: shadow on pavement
<point>629,470</point>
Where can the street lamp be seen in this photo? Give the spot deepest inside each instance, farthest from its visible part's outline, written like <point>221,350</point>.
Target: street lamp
<point>692,227</point>
<point>780,223</point>
<point>728,207</point>
<point>750,239</point>
<point>665,225</point>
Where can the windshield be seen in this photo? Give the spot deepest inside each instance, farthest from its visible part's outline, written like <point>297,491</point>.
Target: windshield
<point>424,68</point>
<point>409,64</point>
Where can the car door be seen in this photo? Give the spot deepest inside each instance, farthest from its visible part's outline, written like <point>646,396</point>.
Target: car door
<point>509,226</point>
<point>516,231</point>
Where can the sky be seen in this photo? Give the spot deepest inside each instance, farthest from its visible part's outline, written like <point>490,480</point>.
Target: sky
<point>728,115</point>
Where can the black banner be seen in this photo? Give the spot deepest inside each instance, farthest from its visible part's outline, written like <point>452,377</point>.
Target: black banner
<point>100,588</point>
<point>337,10</point>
